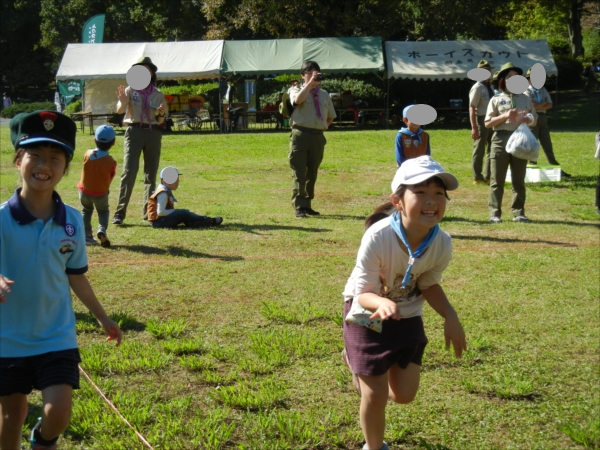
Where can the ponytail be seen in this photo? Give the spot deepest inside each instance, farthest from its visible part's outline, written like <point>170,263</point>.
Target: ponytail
<point>383,211</point>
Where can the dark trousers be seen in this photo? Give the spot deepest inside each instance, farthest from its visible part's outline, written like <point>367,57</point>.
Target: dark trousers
<point>138,141</point>
<point>499,163</point>
<point>184,216</point>
<point>481,149</point>
<point>542,132</point>
<point>307,147</point>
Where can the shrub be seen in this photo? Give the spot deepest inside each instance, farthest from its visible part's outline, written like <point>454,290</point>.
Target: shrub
<point>17,108</point>
<point>569,73</point>
<point>73,107</point>
<point>189,89</point>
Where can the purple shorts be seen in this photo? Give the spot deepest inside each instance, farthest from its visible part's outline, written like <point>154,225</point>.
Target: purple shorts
<point>371,353</point>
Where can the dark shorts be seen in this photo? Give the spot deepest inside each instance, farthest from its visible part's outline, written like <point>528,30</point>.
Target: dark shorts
<point>22,375</point>
<point>371,353</point>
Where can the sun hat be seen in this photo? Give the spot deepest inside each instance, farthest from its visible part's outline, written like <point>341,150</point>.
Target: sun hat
<point>146,61</point>
<point>43,126</point>
<point>484,64</point>
<point>105,134</point>
<point>528,74</point>
<point>417,170</point>
<point>508,67</point>
<point>495,76</point>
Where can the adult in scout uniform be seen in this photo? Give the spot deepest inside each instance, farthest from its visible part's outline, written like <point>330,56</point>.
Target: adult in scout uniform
<point>313,113</point>
<point>506,111</point>
<point>479,97</point>
<point>542,102</point>
<point>144,110</point>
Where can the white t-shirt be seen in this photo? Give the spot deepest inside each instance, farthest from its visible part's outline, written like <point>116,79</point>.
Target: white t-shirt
<point>381,265</point>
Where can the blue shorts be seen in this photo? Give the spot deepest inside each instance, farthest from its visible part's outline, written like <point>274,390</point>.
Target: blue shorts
<point>22,375</point>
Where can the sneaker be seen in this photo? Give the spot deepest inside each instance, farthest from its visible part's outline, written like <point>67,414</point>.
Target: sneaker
<point>355,379</point>
<point>486,181</point>
<point>564,174</point>
<point>478,182</point>
<point>117,220</point>
<point>495,219</point>
<point>384,447</point>
<point>217,221</point>
<point>300,213</point>
<point>311,212</point>
<point>522,219</point>
<point>89,240</point>
<point>35,442</point>
<point>104,242</point>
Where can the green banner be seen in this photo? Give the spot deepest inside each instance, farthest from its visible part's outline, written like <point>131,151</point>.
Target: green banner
<point>69,89</point>
<point>93,30</point>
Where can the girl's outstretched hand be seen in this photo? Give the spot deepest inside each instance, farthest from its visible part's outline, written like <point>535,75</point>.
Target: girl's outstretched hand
<point>454,333</point>
<point>386,310</point>
<point>112,329</point>
<point>5,285</point>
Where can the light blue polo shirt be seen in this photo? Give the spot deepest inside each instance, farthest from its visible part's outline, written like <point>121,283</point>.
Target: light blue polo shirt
<point>37,316</point>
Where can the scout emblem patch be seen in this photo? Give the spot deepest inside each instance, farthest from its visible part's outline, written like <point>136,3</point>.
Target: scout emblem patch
<point>407,142</point>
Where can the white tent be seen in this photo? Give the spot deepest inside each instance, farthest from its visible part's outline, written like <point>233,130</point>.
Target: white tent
<point>104,66</point>
<point>450,60</point>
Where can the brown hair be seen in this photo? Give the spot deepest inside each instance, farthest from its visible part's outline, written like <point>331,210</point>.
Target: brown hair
<point>387,209</point>
<point>309,66</point>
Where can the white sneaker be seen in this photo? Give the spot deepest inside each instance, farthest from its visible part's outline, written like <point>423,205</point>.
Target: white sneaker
<point>495,219</point>
<point>521,219</point>
<point>104,242</point>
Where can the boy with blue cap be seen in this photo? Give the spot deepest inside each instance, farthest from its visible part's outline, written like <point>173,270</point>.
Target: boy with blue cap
<point>42,257</point>
<point>161,206</point>
<point>96,175</point>
<point>411,141</point>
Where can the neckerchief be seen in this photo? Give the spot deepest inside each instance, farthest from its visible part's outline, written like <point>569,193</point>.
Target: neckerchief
<point>166,189</point>
<point>315,94</point>
<point>536,92</point>
<point>416,136</point>
<point>145,93</point>
<point>489,88</point>
<point>399,230</point>
<point>97,154</point>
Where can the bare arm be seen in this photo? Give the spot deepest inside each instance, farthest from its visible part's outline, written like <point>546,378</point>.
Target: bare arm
<point>123,100</point>
<point>384,308</point>
<point>495,121</point>
<point>83,291</point>
<point>473,118</point>
<point>313,83</point>
<point>453,330</point>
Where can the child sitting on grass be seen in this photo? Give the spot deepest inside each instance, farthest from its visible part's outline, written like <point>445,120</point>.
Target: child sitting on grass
<point>161,206</point>
<point>96,175</point>
<point>399,266</point>
<point>411,141</point>
<point>42,257</point>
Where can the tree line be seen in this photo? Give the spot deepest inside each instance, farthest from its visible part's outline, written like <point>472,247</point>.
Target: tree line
<point>35,33</point>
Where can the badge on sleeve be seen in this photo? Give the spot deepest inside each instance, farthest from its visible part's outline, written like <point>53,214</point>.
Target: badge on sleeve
<point>70,230</point>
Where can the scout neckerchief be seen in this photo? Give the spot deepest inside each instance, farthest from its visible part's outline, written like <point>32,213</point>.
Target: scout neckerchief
<point>536,92</point>
<point>489,88</point>
<point>416,136</point>
<point>399,230</point>
<point>315,94</point>
<point>170,192</point>
<point>145,94</point>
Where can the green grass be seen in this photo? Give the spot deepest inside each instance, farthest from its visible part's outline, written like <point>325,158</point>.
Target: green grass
<point>232,335</point>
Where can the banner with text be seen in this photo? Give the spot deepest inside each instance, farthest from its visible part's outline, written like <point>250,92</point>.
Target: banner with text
<point>93,30</point>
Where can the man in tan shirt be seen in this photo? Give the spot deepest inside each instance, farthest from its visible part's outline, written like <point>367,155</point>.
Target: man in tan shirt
<point>313,113</point>
<point>479,97</point>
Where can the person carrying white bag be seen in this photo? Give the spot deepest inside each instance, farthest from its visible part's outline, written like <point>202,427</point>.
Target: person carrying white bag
<point>523,144</point>
<point>506,112</point>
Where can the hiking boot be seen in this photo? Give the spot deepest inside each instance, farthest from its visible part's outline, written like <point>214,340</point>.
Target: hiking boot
<point>36,441</point>
<point>217,221</point>
<point>104,242</point>
<point>521,219</point>
<point>478,182</point>
<point>564,174</point>
<point>300,213</point>
<point>495,219</point>
<point>311,212</point>
<point>355,379</point>
<point>89,240</point>
<point>117,220</point>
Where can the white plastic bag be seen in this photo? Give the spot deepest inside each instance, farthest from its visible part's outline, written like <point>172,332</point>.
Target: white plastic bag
<point>523,144</point>
<point>362,317</point>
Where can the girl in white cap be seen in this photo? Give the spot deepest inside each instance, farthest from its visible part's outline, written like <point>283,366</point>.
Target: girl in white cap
<point>399,266</point>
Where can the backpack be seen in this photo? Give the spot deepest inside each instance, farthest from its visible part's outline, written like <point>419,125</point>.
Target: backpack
<point>285,107</point>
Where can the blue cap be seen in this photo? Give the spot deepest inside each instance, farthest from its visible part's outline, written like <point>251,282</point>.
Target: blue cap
<point>405,112</point>
<point>105,134</point>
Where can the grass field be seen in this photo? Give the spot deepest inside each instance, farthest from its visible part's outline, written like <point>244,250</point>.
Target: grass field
<point>233,335</point>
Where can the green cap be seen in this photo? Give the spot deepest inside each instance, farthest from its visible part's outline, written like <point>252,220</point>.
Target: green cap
<point>484,64</point>
<point>146,61</point>
<point>43,126</point>
<point>508,67</point>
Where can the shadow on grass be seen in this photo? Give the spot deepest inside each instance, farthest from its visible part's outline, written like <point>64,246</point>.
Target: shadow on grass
<point>343,217</point>
<point>573,182</point>
<point>509,219</point>
<point>511,240</point>
<point>254,229</point>
<point>172,251</point>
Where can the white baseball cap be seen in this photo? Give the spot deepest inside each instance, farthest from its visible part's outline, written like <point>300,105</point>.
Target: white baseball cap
<point>416,170</point>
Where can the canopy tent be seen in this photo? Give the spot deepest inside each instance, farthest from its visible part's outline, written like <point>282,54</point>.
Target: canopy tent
<point>450,60</point>
<point>285,56</point>
<point>104,66</point>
